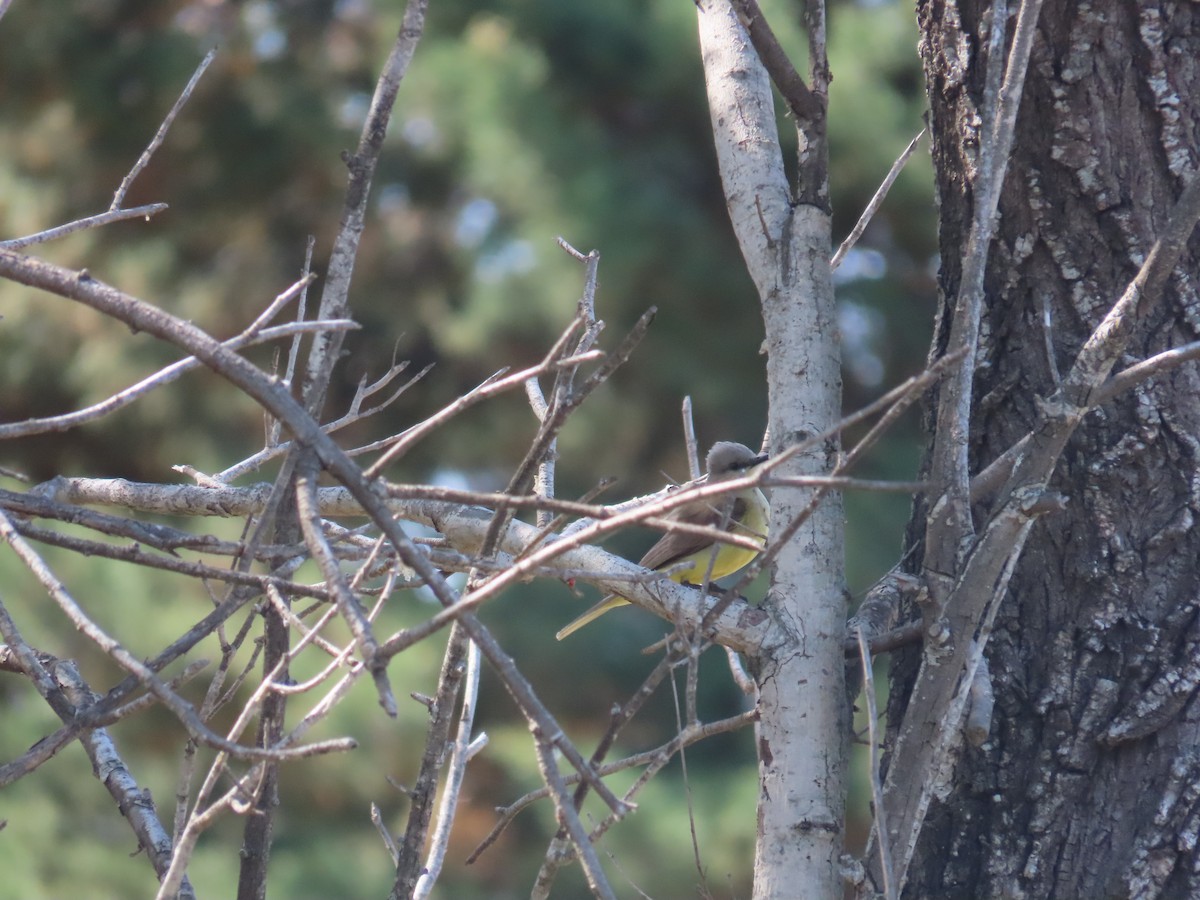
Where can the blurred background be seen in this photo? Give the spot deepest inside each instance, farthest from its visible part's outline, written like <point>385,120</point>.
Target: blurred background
<point>520,120</point>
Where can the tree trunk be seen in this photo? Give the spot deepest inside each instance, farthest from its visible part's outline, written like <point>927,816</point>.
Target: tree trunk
<point>1089,784</point>
<point>785,239</point>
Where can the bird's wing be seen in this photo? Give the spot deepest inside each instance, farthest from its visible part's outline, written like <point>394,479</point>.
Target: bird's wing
<point>675,546</point>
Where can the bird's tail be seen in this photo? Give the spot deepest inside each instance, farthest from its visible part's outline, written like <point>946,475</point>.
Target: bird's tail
<point>612,601</point>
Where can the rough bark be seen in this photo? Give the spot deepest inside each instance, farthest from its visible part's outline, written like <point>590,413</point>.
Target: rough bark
<point>1087,786</point>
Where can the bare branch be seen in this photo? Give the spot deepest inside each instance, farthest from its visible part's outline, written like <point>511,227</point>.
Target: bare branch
<point>289,372</point>
<point>424,789</point>
<point>183,710</point>
<point>335,299</point>
<point>1085,386</point>
<point>655,759</point>
<point>565,401</point>
<point>1146,369</point>
<point>381,827</point>
<point>105,218</point>
<point>161,134</point>
<point>280,403</point>
<point>135,803</point>
<point>347,603</point>
<point>880,823</point>
<point>1106,344</point>
<point>561,395</point>
<point>159,379</point>
<point>951,526</point>
<point>876,201</point>
<point>276,448</point>
<point>66,691</point>
<point>689,439</point>
<point>799,99</point>
<point>134,554</point>
<point>460,754</point>
<point>931,730</point>
<point>489,388</point>
<point>558,851</point>
<point>569,816</point>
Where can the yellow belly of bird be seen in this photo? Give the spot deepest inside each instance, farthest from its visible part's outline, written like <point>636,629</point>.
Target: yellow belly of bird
<point>730,558</point>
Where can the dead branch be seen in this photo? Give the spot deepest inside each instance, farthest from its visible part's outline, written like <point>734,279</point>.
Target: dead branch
<point>335,298</point>
<point>161,134</point>
<point>159,379</point>
<point>424,789</point>
<point>802,102</point>
<point>460,754</point>
<point>876,201</point>
<point>96,221</point>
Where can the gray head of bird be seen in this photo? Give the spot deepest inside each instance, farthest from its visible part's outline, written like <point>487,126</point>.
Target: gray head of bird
<point>728,459</point>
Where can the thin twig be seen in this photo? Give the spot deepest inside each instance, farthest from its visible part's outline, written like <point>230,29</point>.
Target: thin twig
<point>876,201</point>
<point>460,753</point>
<point>347,603</point>
<point>255,784</point>
<point>1107,342</point>
<point>159,379</point>
<point>289,372</point>
<point>496,384</point>
<point>657,759</point>
<point>276,448</point>
<point>690,736</point>
<point>183,710</point>
<point>102,712</point>
<point>692,719</point>
<point>569,816</point>
<point>161,134</point>
<point>134,554</point>
<point>279,402</point>
<point>620,716</point>
<point>585,319</point>
<point>424,789</point>
<point>563,404</point>
<point>1147,368</point>
<point>689,439</point>
<point>388,841</point>
<point>105,218</point>
<point>746,684</point>
<point>880,822</point>
<point>335,298</point>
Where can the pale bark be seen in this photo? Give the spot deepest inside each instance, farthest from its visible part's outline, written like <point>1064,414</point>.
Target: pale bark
<point>786,245</point>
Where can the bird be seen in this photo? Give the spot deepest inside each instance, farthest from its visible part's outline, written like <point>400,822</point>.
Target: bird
<point>743,513</point>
